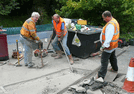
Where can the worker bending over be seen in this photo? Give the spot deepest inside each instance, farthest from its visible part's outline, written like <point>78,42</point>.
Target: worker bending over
<point>61,35</point>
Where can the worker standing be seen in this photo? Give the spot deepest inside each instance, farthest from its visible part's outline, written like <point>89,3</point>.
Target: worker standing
<point>109,39</point>
<point>28,35</point>
<point>61,35</point>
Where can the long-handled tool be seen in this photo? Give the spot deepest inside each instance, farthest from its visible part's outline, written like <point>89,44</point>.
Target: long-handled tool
<point>41,54</point>
<point>18,64</point>
<point>49,41</point>
<point>97,53</point>
<point>67,58</point>
<point>49,50</point>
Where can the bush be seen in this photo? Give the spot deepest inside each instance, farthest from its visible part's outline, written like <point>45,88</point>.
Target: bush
<point>12,21</point>
<point>17,21</point>
<point>91,10</point>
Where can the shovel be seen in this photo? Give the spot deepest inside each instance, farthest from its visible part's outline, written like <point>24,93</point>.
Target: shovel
<point>97,53</point>
<point>67,58</point>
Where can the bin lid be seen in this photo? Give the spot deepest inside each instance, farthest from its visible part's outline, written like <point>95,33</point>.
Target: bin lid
<point>89,32</point>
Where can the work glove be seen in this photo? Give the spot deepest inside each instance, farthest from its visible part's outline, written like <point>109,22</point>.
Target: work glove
<point>102,48</point>
<point>38,41</point>
<point>59,39</point>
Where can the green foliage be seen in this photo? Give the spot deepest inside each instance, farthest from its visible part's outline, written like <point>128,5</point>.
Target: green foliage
<point>15,21</point>
<point>127,36</point>
<point>21,2</point>
<point>7,5</point>
<point>91,10</point>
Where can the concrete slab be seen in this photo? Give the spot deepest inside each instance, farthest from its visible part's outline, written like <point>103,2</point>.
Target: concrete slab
<point>45,85</point>
<point>94,92</point>
<point>119,84</point>
<point>110,76</point>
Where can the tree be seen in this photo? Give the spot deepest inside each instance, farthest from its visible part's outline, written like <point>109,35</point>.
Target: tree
<point>91,10</point>
<point>7,5</point>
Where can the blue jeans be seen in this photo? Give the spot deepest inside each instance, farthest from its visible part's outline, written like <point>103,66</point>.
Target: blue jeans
<point>28,50</point>
<point>64,43</point>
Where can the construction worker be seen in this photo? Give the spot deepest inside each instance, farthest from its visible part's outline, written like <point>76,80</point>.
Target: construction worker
<point>61,35</point>
<point>28,36</point>
<point>109,39</point>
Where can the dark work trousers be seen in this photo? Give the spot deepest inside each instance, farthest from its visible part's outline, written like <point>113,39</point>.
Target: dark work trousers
<point>104,63</point>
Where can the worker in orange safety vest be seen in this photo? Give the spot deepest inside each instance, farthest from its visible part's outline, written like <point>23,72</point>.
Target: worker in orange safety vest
<point>28,34</point>
<point>61,35</point>
<point>109,38</point>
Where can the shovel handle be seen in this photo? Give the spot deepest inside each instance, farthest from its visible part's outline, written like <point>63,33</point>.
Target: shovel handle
<point>40,53</point>
<point>66,57</point>
<point>17,52</point>
<point>49,41</point>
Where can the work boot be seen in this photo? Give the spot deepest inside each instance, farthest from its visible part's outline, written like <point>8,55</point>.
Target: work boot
<point>54,55</point>
<point>59,54</point>
<point>30,65</point>
<point>96,76</point>
<point>71,59</point>
<point>111,69</point>
<point>26,64</point>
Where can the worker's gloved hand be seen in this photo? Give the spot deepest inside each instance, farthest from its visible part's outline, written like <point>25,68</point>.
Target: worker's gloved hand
<point>38,41</point>
<point>59,39</point>
<point>102,48</point>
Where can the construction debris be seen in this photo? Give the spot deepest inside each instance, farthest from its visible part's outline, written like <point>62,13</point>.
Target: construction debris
<point>88,85</point>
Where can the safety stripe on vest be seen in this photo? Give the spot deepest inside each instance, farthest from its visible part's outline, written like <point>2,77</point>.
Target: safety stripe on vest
<point>116,28</point>
<point>115,40</point>
<point>114,33</point>
<point>60,33</point>
<point>130,74</point>
<point>103,33</point>
<point>25,28</point>
<point>112,40</point>
<point>29,20</point>
<point>28,30</point>
<point>32,30</point>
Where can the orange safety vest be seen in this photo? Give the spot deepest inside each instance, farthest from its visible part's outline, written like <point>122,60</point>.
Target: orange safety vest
<point>114,41</point>
<point>57,27</point>
<point>28,29</point>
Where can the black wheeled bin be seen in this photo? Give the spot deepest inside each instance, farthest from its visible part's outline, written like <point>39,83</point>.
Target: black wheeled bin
<point>89,43</point>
